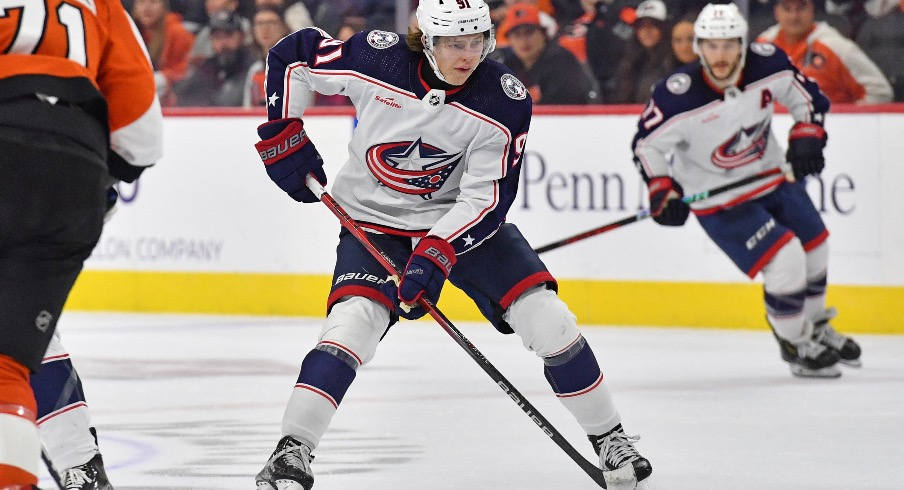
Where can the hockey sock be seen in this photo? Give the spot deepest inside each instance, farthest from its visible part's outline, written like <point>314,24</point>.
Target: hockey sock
<point>815,301</point>
<point>817,272</point>
<point>575,377</point>
<point>322,383</point>
<point>784,289</point>
<point>785,314</point>
<point>63,416</point>
<point>20,445</point>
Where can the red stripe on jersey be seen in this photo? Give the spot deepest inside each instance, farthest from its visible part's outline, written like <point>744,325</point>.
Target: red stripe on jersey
<point>525,284</point>
<point>816,241</point>
<point>762,261</point>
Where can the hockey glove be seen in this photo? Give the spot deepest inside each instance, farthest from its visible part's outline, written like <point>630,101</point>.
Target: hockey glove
<point>391,289</point>
<point>805,144</point>
<point>289,156</point>
<point>666,206</point>
<point>426,272</point>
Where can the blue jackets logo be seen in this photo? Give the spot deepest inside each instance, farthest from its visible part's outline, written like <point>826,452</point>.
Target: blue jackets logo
<point>412,167</point>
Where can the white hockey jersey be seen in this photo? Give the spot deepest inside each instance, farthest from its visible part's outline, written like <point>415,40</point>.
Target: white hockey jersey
<point>420,161</point>
<point>719,137</point>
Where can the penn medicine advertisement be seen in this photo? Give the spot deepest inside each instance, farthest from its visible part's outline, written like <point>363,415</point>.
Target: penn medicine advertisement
<point>208,209</point>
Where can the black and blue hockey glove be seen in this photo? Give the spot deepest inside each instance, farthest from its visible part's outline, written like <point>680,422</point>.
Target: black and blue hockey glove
<point>289,156</point>
<point>666,206</point>
<point>805,144</point>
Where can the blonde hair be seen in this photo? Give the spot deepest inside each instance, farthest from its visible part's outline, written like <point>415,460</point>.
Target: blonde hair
<point>414,40</point>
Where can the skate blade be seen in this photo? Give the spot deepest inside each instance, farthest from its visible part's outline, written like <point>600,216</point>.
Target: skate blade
<point>826,372</point>
<point>622,479</point>
<point>291,485</point>
<point>851,363</point>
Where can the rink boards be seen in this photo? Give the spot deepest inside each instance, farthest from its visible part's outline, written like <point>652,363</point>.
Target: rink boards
<point>205,231</point>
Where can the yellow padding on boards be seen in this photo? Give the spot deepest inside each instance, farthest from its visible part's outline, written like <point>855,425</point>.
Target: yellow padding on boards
<point>868,309</point>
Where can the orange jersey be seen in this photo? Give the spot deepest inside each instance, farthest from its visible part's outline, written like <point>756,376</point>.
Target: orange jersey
<point>842,70</point>
<point>53,46</point>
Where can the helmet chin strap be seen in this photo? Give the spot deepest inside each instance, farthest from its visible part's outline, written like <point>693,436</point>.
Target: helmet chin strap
<point>428,52</point>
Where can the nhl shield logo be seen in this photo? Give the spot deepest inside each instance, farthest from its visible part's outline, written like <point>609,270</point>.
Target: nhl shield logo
<point>382,39</point>
<point>434,100</point>
<point>513,87</point>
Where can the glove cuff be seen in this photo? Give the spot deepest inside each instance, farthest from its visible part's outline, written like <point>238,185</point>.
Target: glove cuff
<point>807,130</point>
<point>289,137</point>
<point>438,251</point>
<point>665,184</point>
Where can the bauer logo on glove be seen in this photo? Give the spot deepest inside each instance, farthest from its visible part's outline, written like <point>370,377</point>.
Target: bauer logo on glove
<point>274,153</point>
<point>289,156</point>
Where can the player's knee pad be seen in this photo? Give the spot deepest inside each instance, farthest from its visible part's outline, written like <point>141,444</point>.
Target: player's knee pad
<point>543,321</point>
<point>787,271</point>
<point>353,329</point>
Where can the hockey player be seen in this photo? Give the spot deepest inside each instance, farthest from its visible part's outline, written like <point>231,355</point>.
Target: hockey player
<point>433,170</point>
<point>716,116</point>
<point>77,112</point>
<point>69,441</point>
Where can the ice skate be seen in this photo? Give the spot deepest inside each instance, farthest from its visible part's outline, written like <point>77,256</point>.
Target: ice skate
<point>289,468</point>
<point>809,359</point>
<point>848,350</point>
<point>88,476</point>
<point>623,467</point>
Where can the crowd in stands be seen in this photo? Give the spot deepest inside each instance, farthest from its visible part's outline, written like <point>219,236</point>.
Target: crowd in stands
<point>212,53</point>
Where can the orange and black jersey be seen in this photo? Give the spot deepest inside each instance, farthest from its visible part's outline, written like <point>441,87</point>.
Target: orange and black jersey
<point>86,53</point>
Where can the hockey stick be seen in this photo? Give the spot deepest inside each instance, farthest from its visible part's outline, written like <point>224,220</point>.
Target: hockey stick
<point>53,473</point>
<point>645,213</point>
<point>349,223</point>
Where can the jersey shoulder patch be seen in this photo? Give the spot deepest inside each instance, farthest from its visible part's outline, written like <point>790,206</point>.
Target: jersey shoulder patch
<point>678,83</point>
<point>512,86</point>
<point>382,39</point>
<point>763,49</point>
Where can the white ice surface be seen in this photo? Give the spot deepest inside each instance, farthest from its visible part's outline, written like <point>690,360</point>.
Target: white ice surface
<point>195,402</point>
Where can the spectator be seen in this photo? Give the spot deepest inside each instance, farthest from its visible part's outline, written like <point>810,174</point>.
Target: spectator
<point>268,27</point>
<point>882,39</point>
<point>294,13</point>
<point>327,14</point>
<point>609,34</point>
<point>550,72</point>
<point>649,57</point>
<point>546,21</point>
<point>194,15</point>
<point>220,79</point>
<point>202,49</point>
<point>370,15</point>
<point>844,73</point>
<point>168,44</point>
<point>683,42</point>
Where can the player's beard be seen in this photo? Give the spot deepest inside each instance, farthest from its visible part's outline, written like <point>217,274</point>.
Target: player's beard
<point>227,60</point>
